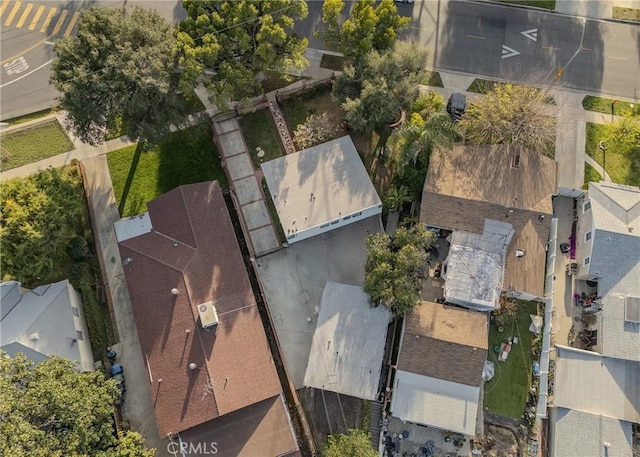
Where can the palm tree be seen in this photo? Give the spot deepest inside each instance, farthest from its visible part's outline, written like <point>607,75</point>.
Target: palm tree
<point>396,198</point>
<point>423,136</point>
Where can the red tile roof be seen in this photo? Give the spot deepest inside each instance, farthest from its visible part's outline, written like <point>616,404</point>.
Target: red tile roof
<point>193,248</point>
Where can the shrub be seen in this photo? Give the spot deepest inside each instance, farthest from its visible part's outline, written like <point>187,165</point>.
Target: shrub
<point>315,130</point>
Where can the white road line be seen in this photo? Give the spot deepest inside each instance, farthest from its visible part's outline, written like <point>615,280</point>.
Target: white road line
<point>26,74</point>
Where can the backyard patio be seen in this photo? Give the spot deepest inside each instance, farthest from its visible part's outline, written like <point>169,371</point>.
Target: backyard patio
<point>408,439</point>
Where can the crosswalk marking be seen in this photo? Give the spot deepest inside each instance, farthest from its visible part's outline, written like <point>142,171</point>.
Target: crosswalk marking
<point>47,21</point>
<point>72,23</point>
<point>58,26</point>
<point>36,18</point>
<point>24,16</point>
<point>3,7</point>
<point>12,14</point>
<point>30,15</point>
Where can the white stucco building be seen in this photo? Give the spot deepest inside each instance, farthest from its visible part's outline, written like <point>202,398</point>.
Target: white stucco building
<point>48,320</point>
<point>320,189</point>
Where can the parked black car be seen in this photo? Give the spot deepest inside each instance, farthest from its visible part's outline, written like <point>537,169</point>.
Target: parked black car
<point>456,106</point>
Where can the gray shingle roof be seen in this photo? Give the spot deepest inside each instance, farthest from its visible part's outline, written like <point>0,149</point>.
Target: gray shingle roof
<point>574,433</point>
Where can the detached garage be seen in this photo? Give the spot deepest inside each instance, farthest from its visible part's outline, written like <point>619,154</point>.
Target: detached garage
<point>320,189</point>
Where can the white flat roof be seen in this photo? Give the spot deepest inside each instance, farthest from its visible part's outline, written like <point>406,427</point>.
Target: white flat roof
<point>435,402</point>
<point>320,184</point>
<point>348,344</point>
<point>133,226</point>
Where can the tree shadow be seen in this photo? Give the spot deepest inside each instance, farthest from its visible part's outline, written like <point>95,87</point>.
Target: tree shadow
<point>130,176</point>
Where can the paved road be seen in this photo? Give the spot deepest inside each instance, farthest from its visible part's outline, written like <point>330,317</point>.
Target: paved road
<point>472,37</point>
<point>29,30</point>
<point>468,37</point>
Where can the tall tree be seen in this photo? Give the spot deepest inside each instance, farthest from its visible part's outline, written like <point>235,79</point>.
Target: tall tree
<point>375,92</point>
<point>119,64</point>
<point>39,215</point>
<point>51,410</point>
<point>393,267</point>
<point>512,114</point>
<point>355,443</point>
<point>235,42</point>
<point>369,27</point>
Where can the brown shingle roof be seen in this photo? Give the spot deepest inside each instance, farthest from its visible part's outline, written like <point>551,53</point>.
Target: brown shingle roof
<point>469,184</point>
<point>486,173</point>
<point>199,256</point>
<point>444,342</point>
<point>261,429</point>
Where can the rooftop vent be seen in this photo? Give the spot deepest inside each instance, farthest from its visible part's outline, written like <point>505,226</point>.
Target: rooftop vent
<point>175,291</point>
<point>208,315</point>
<point>519,253</point>
<point>34,336</point>
<point>192,366</point>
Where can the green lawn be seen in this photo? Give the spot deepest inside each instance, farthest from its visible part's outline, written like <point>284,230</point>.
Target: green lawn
<point>259,131</point>
<point>33,144</point>
<point>332,62</point>
<point>481,86</point>
<point>547,4</point>
<point>623,168</point>
<point>506,394</point>
<point>433,79</point>
<point>629,14</point>
<point>30,117</point>
<point>316,101</point>
<point>590,175</point>
<point>603,105</point>
<point>185,157</point>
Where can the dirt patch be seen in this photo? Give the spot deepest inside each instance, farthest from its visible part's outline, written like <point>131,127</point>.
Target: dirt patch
<point>342,413</point>
<point>500,441</point>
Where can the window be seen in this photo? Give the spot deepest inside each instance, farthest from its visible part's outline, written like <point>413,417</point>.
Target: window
<point>515,162</point>
<point>357,214</point>
<point>587,236</point>
<point>335,222</point>
<point>586,207</point>
<point>80,335</point>
<point>324,225</point>
<point>346,217</point>
<point>75,311</point>
<point>586,261</point>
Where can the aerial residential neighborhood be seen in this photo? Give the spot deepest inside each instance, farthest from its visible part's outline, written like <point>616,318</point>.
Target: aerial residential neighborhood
<point>299,228</point>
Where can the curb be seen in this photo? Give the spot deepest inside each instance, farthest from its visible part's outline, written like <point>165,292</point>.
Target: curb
<point>29,124</point>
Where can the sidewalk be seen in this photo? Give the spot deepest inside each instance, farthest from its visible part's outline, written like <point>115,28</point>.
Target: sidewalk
<point>595,9</point>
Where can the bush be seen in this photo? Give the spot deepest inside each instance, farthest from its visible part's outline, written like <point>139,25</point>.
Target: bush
<point>78,249</point>
<point>316,129</point>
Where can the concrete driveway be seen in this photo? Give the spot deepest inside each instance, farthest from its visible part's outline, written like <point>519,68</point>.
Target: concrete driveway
<point>294,278</point>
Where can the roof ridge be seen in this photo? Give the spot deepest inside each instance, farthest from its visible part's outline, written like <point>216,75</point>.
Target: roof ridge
<point>446,341</point>
<point>186,208</point>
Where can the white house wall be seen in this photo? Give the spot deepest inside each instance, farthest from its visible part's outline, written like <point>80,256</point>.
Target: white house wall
<point>336,223</point>
<point>583,247</point>
<point>80,323</point>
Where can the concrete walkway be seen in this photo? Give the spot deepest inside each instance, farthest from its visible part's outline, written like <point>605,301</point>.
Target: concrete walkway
<point>245,187</point>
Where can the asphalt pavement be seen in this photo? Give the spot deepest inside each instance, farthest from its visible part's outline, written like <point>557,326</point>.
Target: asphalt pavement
<point>479,38</point>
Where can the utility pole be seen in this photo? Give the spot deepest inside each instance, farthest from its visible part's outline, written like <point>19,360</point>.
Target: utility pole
<point>603,148</point>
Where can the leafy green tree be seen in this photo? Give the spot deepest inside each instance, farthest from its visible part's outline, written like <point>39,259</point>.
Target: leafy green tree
<point>52,410</point>
<point>512,114</point>
<point>356,443</point>
<point>374,93</point>
<point>39,215</point>
<point>622,136</point>
<point>120,64</point>
<point>235,42</point>
<point>393,267</point>
<point>369,27</point>
<point>396,197</point>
